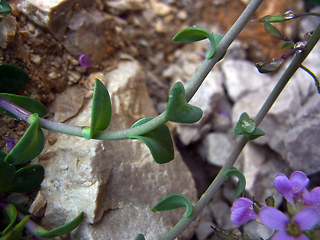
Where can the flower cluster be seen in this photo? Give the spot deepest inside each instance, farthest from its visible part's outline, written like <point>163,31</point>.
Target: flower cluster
<point>303,209</point>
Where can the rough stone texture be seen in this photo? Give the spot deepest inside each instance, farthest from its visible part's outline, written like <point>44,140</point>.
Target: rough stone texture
<point>242,77</point>
<point>67,104</point>
<point>118,181</point>
<point>309,23</point>
<point>216,147</point>
<point>51,15</point>
<point>8,25</point>
<point>301,141</point>
<point>260,168</point>
<point>93,33</point>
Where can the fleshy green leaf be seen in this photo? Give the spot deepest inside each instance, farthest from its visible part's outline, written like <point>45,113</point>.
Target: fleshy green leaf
<point>194,34</point>
<point>7,174</point>
<point>255,134</point>
<point>158,141</point>
<point>12,78</point>
<point>241,180</point>
<point>16,232</point>
<point>273,31</point>
<point>245,125</point>
<point>173,201</point>
<point>27,178</point>
<point>61,230</point>
<point>178,110</point>
<point>274,18</point>
<point>101,111</point>
<point>30,145</point>
<point>139,237</point>
<point>269,66</point>
<point>191,34</point>
<point>11,213</point>
<point>5,8</point>
<point>27,103</point>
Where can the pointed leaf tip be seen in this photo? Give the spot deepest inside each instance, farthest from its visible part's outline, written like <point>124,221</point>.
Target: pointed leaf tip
<point>241,180</point>
<point>30,145</point>
<point>139,237</point>
<point>158,141</point>
<point>178,110</point>
<point>194,34</point>
<point>247,127</point>
<point>101,109</point>
<point>61,230</point>
<point>173,201</point>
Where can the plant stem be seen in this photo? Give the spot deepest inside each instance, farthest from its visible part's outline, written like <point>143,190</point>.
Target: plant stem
<point>220,178</point>
<point>191,88</point>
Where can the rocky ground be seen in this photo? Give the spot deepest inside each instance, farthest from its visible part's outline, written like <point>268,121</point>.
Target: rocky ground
<point>130,49</point>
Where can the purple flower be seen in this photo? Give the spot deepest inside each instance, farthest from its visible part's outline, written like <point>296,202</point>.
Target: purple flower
<point>242,211</point>
<point>312,198</point>
<point>11,143</point>
<point>84,61</point>
<point>289,230</point>
<point>293,187</point>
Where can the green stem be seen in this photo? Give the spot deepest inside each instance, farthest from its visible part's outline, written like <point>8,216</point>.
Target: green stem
<point>220,178</point>
<point>316,80</point>
<point>191,88</point>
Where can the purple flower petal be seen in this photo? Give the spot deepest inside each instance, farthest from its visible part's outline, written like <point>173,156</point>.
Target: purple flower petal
<point>84,61</point>
<point>283,186</point>
<point>241,202</point>
<point>273,218</point>
<point>242,211</point>
<point>312,197</point>
<point>307,218</point>
<point>11,143</point>
<point>299,181</point>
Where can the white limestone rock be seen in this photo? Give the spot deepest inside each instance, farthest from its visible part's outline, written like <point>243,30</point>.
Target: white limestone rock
<point>259,168</point>
<point>51,14</point>
<point>301,142</point>
<point>115,183</point>
<point>242,77</point>
<point>215,148</point>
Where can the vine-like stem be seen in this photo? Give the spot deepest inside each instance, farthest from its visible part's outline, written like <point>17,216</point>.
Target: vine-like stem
<point>191,88</point>
<point>220,178</point>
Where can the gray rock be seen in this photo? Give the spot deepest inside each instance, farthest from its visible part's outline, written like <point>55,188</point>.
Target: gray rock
<point>301,141</point>
<point>221,118</point>
<point>242,77</point>
<point>121,6</point>
<point>83,28</point>
<point>309,23</point>
<point>67,104</point>
<point>204,230</point>
<point>215,148</point>
<point>51,15</point>
<point>257,230</point>
<point>260,168</point>
<point>114,183</point>
<point>221,213</point>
